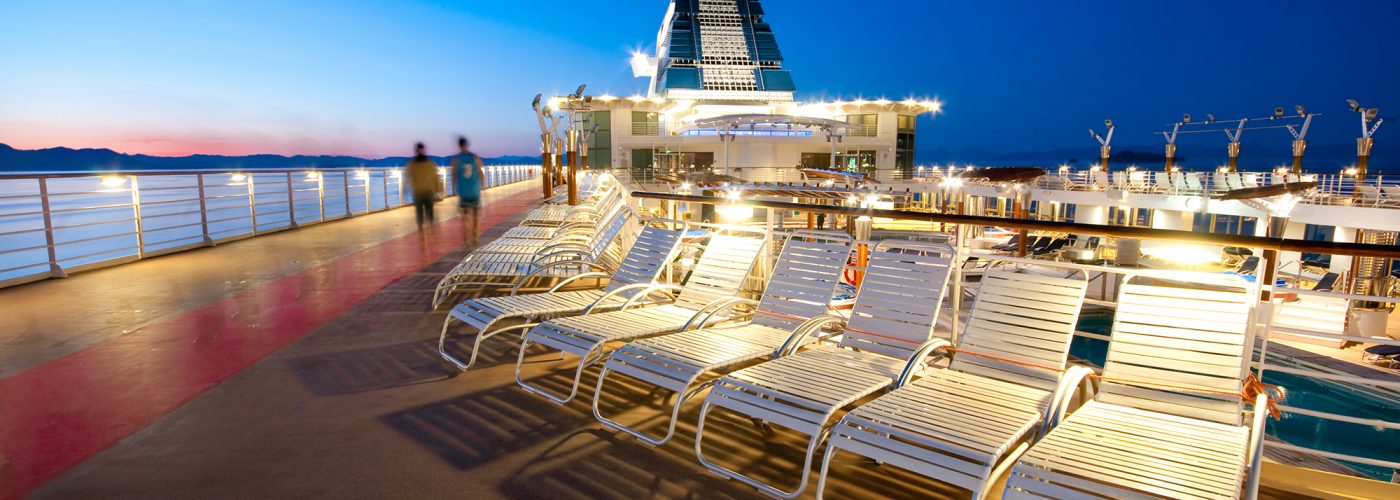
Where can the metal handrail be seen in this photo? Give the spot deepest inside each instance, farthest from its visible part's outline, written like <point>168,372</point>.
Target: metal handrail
<point>95,219</point>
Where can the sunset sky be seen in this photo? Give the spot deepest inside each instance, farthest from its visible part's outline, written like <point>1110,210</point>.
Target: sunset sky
<point>370,78</point>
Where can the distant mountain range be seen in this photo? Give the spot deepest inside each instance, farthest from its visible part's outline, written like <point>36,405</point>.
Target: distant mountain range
<point>68,159</point>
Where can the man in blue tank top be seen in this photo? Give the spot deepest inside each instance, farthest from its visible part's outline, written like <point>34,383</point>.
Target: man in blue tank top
<point>467,174</point>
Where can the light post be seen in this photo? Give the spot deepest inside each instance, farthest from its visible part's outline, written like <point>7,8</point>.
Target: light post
<point>1300,136</point>
<point>1105,144</point>
<point>1370,122</point>
<point>546,144</point>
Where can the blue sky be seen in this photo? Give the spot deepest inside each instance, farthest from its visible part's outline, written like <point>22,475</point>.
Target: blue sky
<point>369,78</point>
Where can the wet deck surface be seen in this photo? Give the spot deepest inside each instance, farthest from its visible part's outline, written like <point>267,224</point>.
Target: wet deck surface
<point>353,402</point>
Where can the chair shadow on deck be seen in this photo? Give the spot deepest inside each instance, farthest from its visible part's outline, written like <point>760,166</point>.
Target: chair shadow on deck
<point>379,367</point>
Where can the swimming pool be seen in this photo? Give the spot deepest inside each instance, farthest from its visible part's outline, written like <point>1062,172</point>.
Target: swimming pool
<point>1300,430</point>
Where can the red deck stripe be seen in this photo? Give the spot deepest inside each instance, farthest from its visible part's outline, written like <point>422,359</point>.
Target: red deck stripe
<point>58,414</point>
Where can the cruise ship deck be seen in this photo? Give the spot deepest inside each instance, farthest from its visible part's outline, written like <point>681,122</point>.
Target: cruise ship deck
<point>303,364</point>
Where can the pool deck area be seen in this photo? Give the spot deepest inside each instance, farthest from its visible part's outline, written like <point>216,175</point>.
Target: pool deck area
<point>304,364</point>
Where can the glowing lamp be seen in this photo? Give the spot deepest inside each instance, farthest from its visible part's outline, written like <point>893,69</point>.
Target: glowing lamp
<point>237,177</point>
<point>113,180</point>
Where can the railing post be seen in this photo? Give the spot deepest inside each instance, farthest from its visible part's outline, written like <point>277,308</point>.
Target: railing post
<point>203,211</point>
<point>55,270</point>
<point>291,203</point>
<point>136,212</point>
<point>321,195</point>
<point>384,178</point>
<point>252,203</point>
<point>345,183</point>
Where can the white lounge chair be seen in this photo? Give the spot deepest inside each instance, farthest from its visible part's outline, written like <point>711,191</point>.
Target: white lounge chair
<point>639,269</point>
<point>1193,182</point>
<point>718,277</point>
<point>802,284</point>
<point>583,219</point>
<point>1163,181</point>
<point>1100,180</point>
<point>893,319</point>
<point>1167,421</point>
<point>603,248</point>
<point>1248,180</point>
<point>1179,183</point>
<point>957,424</point>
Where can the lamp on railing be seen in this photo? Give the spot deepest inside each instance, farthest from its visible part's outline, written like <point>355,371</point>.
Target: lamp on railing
<point>113,181</point>
<point>313,175</point>
<point>237,177</point>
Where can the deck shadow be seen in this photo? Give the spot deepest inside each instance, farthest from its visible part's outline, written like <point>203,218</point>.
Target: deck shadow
<point>477,428</point>
<point>360,370</point>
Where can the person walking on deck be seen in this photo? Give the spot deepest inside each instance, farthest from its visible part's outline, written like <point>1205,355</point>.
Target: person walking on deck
<point>468,173</point>
<point>423,173</point>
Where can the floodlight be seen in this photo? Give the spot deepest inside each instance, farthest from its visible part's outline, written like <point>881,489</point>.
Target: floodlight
<point>1355,106</point>
<point>1210,118</point>
<point>1278,112</point>
<point>579,92</point>
<point>1108,123</point>
<point>1301,110</point>
<point>1371,113</point>
<point>1186,118</point>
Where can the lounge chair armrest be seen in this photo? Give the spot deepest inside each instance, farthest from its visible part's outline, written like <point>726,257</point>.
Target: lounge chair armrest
<point>560,246</point>
<point>1059,401</point>
<point>715,307</point>
<point>558,255</point>
<point>573,262</point>
<point>917,360</point>
<point>576,277</point>
<point>648,291</point>
<point>617,294</point>
<point>1256,445</point>
<point>803,330</point>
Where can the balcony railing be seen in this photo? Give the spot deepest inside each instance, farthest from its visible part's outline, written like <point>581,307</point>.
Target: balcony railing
<point>52,224</point>
<point>647,129</point>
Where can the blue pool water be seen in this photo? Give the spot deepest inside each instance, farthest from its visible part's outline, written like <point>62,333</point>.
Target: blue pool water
<point>1311,432</point>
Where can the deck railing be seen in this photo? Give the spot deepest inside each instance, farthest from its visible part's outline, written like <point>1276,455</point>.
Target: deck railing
<point>52,224</point>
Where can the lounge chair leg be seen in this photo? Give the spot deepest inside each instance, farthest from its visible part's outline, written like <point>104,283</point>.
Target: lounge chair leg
<point>583,362</point>
<point>442,349</point>
<point>681,397</point>
<point>826,465</point>
<point>812,444</point>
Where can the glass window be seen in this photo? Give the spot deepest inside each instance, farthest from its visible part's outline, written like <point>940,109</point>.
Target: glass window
<point>646,123</point>
<point>866,125</point>
<point>816,160</point>
<point>906,123</point>
<point>856,161</point>
<point>600,148</point>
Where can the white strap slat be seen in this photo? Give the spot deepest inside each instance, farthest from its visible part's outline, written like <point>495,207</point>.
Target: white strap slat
<point>1193,406</point>
<point>1219,365</point>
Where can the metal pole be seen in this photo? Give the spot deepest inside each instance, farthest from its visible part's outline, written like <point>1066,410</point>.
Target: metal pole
<point>204,212</point>
<point>291,203</point>
<point>345,184</point>
<point>1363,157</point>
<point>136,211</point>
<point>1299,146</point>
<point>252,204</point>
<point>545,159</point>
<point>55,270</point>
<point>1171,157</point>
<point>573,164</point>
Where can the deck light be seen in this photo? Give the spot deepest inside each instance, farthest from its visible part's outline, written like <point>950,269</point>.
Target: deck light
<point>1355,106</point>
<point>361,175</point>
<point>1350,171</point>
<point>397,174</point>
<point>685,186</point>
<point>870,199</point>
<point>113,180</point>
<point>237,177</point>
<point>1301,110</point>
<point>1278,112</point>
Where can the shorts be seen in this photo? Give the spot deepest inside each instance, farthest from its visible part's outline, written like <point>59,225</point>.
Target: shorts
<point>465,203</point>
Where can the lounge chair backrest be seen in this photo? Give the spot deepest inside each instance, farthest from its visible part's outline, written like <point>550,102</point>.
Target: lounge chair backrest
<point>1101,179</point>
<point>1392,192</point>
<point>1120,180</point>
<point>723,267</point>
<point>1023,317</point>
<point>804,278</point>
<point>1193,181</point>
<point>1326,283</point>
<point>1164,180</point>
<point>1219,182</point>
<point>1179,181</point>
<point>617,228</point>
<point>900,297</point>
<point>1249,180</point>
<point>648,256</point>
<point>1191,335</point>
